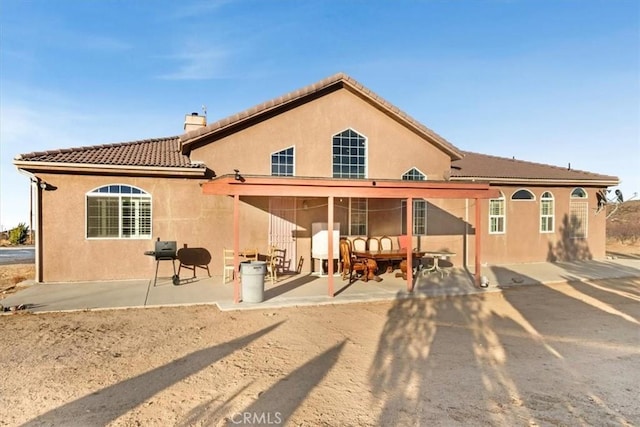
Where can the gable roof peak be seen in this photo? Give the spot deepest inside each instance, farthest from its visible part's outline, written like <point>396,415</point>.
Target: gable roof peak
<point>320,88</point>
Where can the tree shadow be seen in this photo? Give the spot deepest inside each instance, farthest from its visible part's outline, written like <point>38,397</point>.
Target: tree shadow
<point>104,406</point>
<point>515,352</point>
<point>573,327</point>
<point>572,245</point>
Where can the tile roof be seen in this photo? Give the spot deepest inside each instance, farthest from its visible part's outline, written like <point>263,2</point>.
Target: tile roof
<point>156,152</point>
<point>339,80</point>
<point>484,166</point>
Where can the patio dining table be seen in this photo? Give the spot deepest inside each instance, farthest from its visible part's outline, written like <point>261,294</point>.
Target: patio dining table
<point>437,256</point>
<point>388,255</point>
<point>401,255</point>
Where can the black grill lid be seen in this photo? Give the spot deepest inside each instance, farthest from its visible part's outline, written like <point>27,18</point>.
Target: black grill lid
<point>166,249</point>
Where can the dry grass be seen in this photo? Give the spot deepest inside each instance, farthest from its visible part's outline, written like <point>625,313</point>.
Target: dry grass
<point>11,275</point>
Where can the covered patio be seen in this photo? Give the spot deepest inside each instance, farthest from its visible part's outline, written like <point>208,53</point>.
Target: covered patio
<point>237,185</point>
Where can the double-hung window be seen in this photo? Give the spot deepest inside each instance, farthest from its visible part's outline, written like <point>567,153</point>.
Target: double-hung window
<point>419,206</point>
<point>497,216</point>
<point>118,212</point>
<point>546,212</point>
<point>357,217</point>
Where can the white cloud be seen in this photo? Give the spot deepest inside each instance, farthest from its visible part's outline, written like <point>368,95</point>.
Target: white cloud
<point>197,63</point>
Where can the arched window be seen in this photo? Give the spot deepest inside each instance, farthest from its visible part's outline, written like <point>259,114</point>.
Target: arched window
<point>282,162</point>
<point>523,194</point>
<point>578,193</point>
<point>419,206</point>
<point>497,218</point>
<point>546,212</point>
<point>118,212</point>
<point>349,155</point>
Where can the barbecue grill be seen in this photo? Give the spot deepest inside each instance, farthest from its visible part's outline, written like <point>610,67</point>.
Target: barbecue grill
<point>165,251</point>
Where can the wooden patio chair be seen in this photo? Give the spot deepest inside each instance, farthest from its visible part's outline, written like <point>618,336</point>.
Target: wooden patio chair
<point>359,244</point>
<point>351,263</point>
<point>250,254</point>
<point>386,244</point>
<point>373,244</point>
<point>228,265</point>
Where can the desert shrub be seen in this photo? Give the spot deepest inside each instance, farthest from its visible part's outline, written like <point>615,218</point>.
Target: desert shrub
<point>623,223</point>
<point>18,235</point>
<point>624,231</point>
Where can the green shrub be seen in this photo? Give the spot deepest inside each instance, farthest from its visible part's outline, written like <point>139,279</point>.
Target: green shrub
<point>18,235</point>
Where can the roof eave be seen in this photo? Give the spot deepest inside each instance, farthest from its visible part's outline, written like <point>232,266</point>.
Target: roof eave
<point>34,166</point>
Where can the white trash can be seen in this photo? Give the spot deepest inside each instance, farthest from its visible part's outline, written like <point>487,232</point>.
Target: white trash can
<point>253,273</point>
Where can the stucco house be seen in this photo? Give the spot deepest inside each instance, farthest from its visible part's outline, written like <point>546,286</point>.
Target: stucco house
<point>333,152</point>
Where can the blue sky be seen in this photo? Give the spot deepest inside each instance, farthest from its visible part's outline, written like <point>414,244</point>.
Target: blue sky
<point>551,81</point>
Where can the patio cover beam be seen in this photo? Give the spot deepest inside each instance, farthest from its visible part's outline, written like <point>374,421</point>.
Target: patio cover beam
<point>236,186</point>
<point>372,189</point>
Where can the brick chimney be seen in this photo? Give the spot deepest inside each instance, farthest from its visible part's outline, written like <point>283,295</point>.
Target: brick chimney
<point>193,121</point>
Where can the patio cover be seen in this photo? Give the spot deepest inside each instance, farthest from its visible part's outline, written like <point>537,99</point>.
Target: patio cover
<point>238,185</point>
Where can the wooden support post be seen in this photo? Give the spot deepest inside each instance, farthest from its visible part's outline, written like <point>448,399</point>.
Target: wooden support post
<point>409,244</point>
<point>330,246</point>
<point>236,248</point>
<point>478,241</point>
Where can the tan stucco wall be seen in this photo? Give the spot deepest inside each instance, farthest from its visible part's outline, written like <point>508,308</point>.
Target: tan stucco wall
<point>182,213</point>
<point>392,149</point>
<point>179,210</point>
<point>522,240</point>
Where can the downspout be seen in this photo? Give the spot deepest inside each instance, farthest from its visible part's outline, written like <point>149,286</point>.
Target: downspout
<point>34,182</point>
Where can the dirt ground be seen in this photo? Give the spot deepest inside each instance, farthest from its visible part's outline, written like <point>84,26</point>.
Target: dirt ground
<point>565,354</point>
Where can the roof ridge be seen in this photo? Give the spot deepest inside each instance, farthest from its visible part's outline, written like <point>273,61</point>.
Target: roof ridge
<point>294,95</point>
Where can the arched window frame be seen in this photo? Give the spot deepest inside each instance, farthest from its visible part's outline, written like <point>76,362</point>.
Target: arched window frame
<point>547,212</point>
<point>579,193</point>
<point>349,154</point>
<point>497,215</point>
<point>523,191</point>
<point>118,211</point>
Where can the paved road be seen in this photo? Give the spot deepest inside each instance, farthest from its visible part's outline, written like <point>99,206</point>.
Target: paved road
<point>21,255</point>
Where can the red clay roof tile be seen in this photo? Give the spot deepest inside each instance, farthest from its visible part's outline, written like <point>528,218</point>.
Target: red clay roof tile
<point>484,166</point>
<point>158,152</point>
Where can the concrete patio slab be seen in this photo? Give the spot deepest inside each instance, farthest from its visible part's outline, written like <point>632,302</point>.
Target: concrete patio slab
<point>302,290</point>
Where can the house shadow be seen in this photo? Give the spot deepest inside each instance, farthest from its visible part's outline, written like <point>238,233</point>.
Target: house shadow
<point>443,223</point>
<point>288,286</point>
<point>104,406</point>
